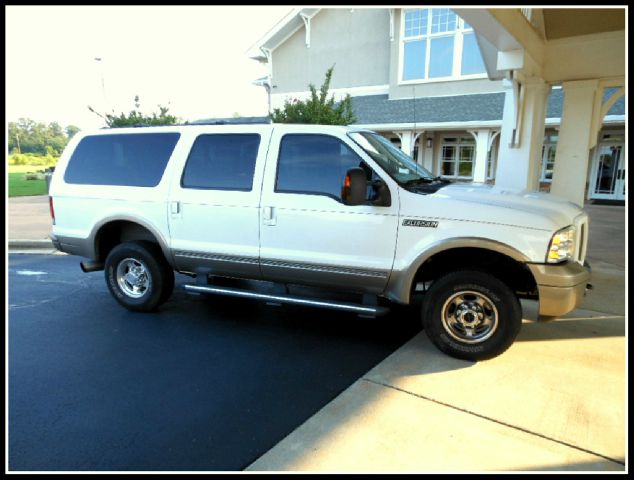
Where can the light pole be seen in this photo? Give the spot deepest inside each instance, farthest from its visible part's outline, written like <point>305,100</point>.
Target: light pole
<point>103,83</point>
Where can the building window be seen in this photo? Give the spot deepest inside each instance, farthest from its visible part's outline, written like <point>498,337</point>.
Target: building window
<point>456,157</point>
<point>438,44</point>
<point>548,158</point>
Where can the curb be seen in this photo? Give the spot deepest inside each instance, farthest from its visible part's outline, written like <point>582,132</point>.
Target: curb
<point>31,244</point>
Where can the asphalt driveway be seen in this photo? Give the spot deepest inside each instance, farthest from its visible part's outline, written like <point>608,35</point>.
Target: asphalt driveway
<point>207,383</point>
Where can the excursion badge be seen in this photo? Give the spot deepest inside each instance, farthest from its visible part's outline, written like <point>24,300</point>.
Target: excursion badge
<point>410,222</point>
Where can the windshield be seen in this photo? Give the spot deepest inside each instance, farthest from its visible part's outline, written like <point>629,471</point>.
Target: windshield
<point>401,167</point>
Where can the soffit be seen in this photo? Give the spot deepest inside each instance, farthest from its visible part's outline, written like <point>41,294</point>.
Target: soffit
<point>573,22</point>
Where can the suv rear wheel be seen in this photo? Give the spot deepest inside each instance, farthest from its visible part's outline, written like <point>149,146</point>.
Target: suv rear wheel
<point>138,276</point>
<point>471,315</point>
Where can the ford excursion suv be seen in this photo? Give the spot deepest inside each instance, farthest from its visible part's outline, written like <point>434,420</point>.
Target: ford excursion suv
<point>334,207</point>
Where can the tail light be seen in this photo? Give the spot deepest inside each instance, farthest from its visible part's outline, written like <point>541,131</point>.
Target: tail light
<point>50,205</point>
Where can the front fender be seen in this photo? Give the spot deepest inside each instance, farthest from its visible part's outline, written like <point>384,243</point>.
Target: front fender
<point>399,286</point>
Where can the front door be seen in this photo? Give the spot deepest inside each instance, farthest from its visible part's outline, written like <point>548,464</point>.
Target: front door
<point>608,178</point>
<point>308,235</point>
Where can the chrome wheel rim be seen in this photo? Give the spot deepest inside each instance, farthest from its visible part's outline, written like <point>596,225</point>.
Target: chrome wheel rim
<point>470,317</point>
<point>133,277</point>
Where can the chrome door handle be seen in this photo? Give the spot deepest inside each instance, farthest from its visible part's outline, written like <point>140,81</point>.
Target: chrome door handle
<point>268,216</point>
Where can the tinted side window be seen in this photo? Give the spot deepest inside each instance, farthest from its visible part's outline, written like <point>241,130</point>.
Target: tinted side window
<point>314,164</point>
<point>134,159</point>
<point>222,162</point>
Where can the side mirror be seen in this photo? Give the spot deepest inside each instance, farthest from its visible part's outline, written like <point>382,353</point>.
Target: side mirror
<point>355,186</point>
<point>382,197</point>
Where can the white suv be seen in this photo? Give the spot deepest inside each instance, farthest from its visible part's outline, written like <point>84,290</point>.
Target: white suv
<point>333,207</point>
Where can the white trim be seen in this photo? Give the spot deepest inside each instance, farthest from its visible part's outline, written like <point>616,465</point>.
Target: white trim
<point>542,174</point>
<point>430,125</point>
<point>550,122</point>
<point>492,154</point>
<point>491,138</point>
<point>306,19</point>
<point>296,14</point>
<point>474,76</point>
<point>275,29</point>
<point>607,120</point>
<point>281,42</point>
<point>451,95</point>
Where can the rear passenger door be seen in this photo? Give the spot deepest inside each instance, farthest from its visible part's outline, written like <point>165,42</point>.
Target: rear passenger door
<point>308,235</point>
<point>213,207</point>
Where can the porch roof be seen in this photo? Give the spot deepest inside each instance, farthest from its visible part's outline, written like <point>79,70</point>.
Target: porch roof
<point>485,107</point>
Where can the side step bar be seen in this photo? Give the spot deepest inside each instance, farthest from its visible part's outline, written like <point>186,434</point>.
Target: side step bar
<point>365,310</point>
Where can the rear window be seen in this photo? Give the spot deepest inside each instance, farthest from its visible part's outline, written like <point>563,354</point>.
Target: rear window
<point>134,159</point>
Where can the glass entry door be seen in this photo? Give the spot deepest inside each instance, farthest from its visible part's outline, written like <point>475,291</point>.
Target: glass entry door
<point>608,179</point>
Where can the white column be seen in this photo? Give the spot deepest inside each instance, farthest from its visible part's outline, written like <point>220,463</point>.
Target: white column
<point>482,138</point>
<point>428,159</point>
<point>522,135</point>
<point>571,158</point>
<point>418,136</point>
<point>407,141</point>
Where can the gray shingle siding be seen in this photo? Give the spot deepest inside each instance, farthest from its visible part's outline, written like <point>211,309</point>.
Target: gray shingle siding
<point>461,108</point>
<point>378,109</point>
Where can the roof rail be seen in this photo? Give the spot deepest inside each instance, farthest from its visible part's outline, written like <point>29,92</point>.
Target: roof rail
<point>207,121</point>
<point>232,121</point>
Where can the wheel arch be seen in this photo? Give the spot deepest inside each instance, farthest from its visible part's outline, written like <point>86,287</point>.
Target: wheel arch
<point>113,231</point>
<point>460,253</point>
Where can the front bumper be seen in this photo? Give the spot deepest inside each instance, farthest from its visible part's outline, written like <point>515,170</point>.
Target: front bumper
<point>561,287</point>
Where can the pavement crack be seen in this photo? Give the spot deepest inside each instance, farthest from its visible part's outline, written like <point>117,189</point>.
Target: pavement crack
<point>484,417</point>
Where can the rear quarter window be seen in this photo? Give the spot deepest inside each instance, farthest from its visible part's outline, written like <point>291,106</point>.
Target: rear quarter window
<point>134,159</point>
<point>222,162</point>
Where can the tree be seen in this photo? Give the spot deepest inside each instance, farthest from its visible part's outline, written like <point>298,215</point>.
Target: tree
<point>71,130</point>
<point>28,136</point>
<point>317,109</point>
<point>136,118</point>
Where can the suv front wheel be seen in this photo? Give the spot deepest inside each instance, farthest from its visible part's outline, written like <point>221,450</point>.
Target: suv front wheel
<point>138,276</point>
<point>471,315</point>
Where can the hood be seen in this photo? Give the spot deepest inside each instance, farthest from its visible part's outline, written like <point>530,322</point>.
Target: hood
<point>548,211</point>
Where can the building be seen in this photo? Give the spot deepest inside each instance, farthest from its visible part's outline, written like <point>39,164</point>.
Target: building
<point>423,77</point>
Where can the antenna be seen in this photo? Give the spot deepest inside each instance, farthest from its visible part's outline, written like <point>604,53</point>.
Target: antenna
<point>414,136</point>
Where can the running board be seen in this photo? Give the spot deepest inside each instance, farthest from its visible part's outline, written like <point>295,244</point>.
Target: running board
<point>365,310</point>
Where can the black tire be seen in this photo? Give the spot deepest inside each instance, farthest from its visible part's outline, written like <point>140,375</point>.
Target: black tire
<point>168,288</point>
<point>471,315</point>
<point>138,276</point>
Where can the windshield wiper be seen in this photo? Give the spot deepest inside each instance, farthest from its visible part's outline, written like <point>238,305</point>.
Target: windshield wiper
<point>416,181</point>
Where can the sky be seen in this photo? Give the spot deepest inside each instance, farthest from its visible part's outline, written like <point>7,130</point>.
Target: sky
<point>191,59</point>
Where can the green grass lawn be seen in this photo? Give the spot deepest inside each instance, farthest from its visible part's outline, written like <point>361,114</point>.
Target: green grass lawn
<point>19,187</point>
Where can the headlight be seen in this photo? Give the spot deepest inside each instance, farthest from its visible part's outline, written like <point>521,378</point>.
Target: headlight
<point>562,246</point>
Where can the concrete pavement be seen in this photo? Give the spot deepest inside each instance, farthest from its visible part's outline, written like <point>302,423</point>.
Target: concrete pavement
<point>28,224</point>
<point>29,218</point>
<point>556,400</point>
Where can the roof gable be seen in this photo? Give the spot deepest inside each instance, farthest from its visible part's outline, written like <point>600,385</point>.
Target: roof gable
<point>283,30</point>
